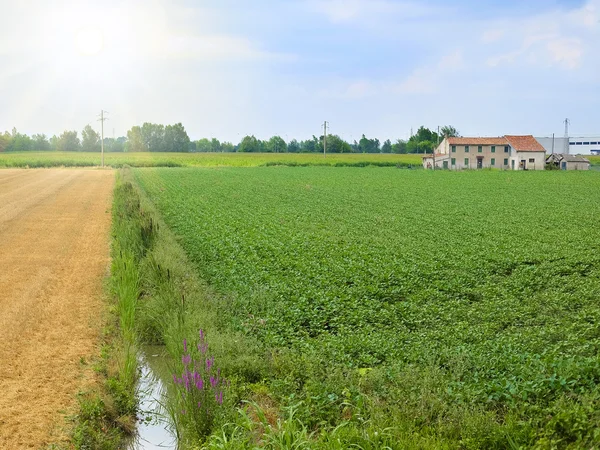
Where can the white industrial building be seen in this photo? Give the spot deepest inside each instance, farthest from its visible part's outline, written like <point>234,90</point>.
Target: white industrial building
<point>576,145</point>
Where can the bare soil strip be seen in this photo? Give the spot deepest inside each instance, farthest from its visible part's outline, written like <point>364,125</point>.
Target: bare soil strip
<point>54,254</point>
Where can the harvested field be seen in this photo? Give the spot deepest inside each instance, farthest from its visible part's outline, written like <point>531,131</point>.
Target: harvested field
<point>54,254</point>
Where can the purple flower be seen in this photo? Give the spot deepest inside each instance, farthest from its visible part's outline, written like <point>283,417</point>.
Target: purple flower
<point>186,359</point>
<point>209,363</point>
<point>219,397</point>
<point>201,333</point>
<point>199,404</point>
<point>214,381</point>
<point>185,345</point>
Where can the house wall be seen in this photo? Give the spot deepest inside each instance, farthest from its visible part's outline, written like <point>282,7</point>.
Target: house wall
<point>578,166</point>
<point>486,153</point>
<point>539,160</point>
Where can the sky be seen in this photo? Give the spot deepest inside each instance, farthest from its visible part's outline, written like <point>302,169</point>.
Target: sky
<point>230,68</point>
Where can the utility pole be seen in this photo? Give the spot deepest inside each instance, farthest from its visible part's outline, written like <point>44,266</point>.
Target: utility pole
<point>553,143</point>
<point>567,148</point>
<point>102,119</point>
<point>325,138</point>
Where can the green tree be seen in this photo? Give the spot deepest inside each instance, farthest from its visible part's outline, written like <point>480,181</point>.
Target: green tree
<point>400,147</point>
<point>293,146</point>
<point>41,142</point>
<point>135,143</point>
<point>203,145</point>
<point>449,131</point>
<point>277,145</point>
<point>249,145</point>
<point>68,141</point>
<point>4,141</point>
<point>386,147</point>
<point>215,145</point>
<point>90,140</point>
<point>227,147</point>
<point>366,145</point>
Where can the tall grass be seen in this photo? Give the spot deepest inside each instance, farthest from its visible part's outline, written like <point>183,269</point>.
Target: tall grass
<point>151,159</point>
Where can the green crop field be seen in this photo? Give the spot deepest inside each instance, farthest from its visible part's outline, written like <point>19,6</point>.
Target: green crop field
<point>151,159</point>
<point>463,306</point>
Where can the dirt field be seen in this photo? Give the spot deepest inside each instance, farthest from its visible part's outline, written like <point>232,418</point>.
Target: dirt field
<point>54,255</point>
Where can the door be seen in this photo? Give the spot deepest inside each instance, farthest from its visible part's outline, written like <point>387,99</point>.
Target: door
<point>523,165</point>
<point>563,165</point>
<point>480,162</point>
<point>512,164</point>
<point>445,164</point>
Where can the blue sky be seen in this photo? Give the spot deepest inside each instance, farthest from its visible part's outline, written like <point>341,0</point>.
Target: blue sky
<point>229,68</point>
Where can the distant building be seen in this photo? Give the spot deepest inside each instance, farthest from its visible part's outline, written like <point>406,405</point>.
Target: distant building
<point>507,152</point>
<point>576,145</point>
<point>568,162</point>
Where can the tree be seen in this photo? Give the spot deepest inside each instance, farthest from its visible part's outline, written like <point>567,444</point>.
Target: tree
<point>423,141</point>
<point>69,142</point>
<point>249,144</point>
<point>293,146</point>
<point>227,147</point>
<point>400,147</point>
<point>449,131</point>
<point>311,145</point>
<point>215,145</point>
<point>277,145</point>
<point>366,145</point>
<point>135,142</point>
<point>386,147</point>
<point>4,141</point>
<point>40,142</point>
<point>203,145</point>
<point>90,140</point>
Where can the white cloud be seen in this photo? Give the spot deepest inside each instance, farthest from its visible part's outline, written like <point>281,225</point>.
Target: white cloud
<point>549,39</point>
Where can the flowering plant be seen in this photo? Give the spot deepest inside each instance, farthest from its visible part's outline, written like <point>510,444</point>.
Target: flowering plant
<point>199,389</point>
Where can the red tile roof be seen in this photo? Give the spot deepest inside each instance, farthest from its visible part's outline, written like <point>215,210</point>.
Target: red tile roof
<point>525,144</point>
<point>477,141</point>
<point>518,143</point>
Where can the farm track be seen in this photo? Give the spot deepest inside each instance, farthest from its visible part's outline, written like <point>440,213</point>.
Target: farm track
<point>54,254</point>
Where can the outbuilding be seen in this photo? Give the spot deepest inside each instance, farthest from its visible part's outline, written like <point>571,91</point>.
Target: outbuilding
<point>568,162</point>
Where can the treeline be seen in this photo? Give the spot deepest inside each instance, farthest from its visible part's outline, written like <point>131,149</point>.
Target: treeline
<point>68,141</point>
<point>173,138</point>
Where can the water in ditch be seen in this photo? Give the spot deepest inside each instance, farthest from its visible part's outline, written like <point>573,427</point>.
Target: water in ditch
<point>155,429</point>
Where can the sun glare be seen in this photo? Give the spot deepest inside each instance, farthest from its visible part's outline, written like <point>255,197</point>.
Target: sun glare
<point>89,41</point>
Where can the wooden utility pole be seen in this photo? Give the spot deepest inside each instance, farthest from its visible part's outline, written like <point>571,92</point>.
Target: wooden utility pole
<point>102,119</point>
<point>325,138</point>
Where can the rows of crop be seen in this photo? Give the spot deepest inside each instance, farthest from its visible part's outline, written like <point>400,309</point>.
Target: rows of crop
<point>492,277</point>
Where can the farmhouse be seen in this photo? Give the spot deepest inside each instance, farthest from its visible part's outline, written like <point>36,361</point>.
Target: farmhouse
<point>568,162</point>
<point>507,152</point>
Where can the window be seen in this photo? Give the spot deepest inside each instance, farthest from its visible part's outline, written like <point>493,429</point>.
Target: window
<point>593,143</point>
<point>506,149</point>
<point>578,143</point>
<point>466,149</point>
<point>493,161</point>
<point>571,143</point>
<point>532,160</point>
<point>493,149</point>
<point>453,161</point>
<point>506,161</point>
<point>454,149</point>
<point>480,149</point>
<point>586,143</point>
<point>466,162</point>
